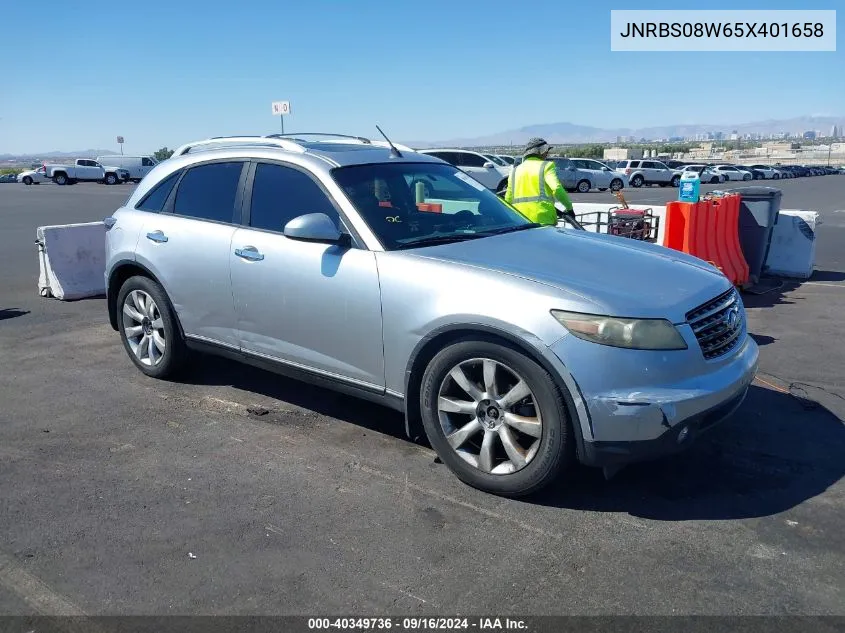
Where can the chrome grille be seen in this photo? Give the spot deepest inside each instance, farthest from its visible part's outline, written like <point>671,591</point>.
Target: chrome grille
<point>718,324</point>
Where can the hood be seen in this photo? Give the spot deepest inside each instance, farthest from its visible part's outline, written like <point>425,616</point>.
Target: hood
<point>621,276</point>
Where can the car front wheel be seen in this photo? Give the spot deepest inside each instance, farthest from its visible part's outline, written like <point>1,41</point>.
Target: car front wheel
<point>616,184</point>
<point>637,181</point>
<point>584,186</point>
<point>495,417</point>
<point>27,180</point>
<point>148,328</point>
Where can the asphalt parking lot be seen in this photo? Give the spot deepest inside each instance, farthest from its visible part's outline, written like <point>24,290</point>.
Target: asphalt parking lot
<point>124,495</point>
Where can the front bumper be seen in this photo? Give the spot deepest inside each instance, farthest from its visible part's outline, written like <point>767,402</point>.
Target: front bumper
<point>642,405</point>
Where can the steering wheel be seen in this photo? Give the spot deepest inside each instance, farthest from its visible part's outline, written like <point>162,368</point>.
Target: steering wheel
<point>466,215</point>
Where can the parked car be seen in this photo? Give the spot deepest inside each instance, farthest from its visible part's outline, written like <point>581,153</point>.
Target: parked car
<point>584,174</point>
<point>768,172</point>
<point>137,166</point>
<point>484,170</point>
<point>797,170</point>
<point>732,172</point>
<point>8,178</point>
<point>648,172</point>
<point>706,175</point>
<point>390,305</point>
<point>85,169</point>
<point>33,176</point>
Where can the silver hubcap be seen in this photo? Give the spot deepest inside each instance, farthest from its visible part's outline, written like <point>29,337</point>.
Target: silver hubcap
<point>489,416</point>
<point>144,327</point>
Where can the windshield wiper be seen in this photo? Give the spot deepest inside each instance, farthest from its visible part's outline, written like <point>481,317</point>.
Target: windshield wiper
<point>439,239</point>
<point>510,229</point>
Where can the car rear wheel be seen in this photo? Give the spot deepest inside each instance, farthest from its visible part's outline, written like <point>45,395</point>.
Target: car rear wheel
<point>747,177</point>
<point>111,179</point>
<point>676,181</point>
<point>27,180</point>
<point>583,186</point>
<point>149,329</point>
<point>495,417</point>
<point>637,181</point>
<point>616,184</point>
<point>776,177</point>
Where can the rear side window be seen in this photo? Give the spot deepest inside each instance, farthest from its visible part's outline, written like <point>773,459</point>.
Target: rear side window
<point>155,199</point>
<point>634,163</point>
<point>280,194</point>
<point>208,192</point>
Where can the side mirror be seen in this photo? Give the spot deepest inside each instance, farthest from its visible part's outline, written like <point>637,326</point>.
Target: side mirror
<point>489,165</point>
<point>315,227</point>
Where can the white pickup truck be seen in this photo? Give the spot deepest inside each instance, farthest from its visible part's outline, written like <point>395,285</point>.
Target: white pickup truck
<point>85,169</point>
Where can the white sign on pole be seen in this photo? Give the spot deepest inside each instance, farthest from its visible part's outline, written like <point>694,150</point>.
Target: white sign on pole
<point>281,107</point>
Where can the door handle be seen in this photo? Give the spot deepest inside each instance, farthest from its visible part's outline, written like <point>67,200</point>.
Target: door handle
<point>249,253</point>
<point>157,236</point>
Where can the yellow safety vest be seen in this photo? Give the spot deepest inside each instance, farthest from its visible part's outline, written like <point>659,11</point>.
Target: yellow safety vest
<point>529,192</point>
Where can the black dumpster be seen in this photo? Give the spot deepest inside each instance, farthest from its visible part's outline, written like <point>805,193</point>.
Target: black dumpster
<point>758,214</point>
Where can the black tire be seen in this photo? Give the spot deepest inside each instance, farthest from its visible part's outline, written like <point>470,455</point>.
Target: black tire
<point>27,180</point>
<point>111,179</point>
<point>583,186</point>
<point>616,184</point>
<point>776,177</point>
<point>715,180</point>
<point>503,185</point>
<point>676,181</point>
<point>637,181</point>
<point>61,179</point>
<point>556,448</point>
<point>175,354</point>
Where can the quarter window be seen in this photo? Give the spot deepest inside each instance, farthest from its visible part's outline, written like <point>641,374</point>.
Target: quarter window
<point>280,194</point>
<point>208,192</point>
<point>154,201</point>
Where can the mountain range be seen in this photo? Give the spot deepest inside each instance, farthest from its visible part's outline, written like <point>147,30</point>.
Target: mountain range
<point>559,133</point>
<point>572,133</point>
<point>82,153</point>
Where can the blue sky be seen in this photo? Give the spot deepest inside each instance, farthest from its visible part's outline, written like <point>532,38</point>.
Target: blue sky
<point>163,73</point>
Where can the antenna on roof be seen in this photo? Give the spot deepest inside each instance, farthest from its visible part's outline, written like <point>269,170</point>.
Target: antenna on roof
<point>393,150</point>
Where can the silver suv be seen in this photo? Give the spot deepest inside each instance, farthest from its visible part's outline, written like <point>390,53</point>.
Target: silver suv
<point>648,172</point>
<point>391,275</point>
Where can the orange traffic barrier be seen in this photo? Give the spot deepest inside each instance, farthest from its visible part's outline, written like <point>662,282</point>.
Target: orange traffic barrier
<point>709,230</point>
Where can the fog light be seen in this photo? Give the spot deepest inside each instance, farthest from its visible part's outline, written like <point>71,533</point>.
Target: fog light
<point>684,434</point>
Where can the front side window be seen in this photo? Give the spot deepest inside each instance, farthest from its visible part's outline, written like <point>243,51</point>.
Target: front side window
<point>409,205</point>
<point>146,162</point>
<point>468,159</point>
<point>279,194</point>
<point>208,192</point>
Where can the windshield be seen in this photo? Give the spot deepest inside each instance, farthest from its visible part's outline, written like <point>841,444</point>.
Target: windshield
<point>495,160</point>
<point>417,203</point>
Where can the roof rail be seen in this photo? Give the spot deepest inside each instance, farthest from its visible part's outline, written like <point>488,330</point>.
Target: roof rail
<point>339,138</point>
<point>239,141</point>
<point>322,135</point>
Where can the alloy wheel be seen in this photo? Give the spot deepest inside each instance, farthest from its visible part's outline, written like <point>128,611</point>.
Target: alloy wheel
<point>144,328</point>
<point>489,416</point>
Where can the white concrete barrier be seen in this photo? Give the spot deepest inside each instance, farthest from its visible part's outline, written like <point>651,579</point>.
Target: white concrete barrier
<point>72,260</point>
<point>793,248</point>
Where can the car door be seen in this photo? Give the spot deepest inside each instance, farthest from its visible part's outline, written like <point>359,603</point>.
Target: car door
<point>567,173</point>
<point>660,173</point>
<point>186,242</point>
<point>473,164</point>
<point>307,304</point>
<point>599,174</point>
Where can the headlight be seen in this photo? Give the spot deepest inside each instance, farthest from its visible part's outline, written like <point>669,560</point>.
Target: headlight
<point>654,334</point>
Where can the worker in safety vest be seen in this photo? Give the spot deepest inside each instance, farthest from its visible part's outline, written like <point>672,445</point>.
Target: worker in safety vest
<point>533,185</point>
